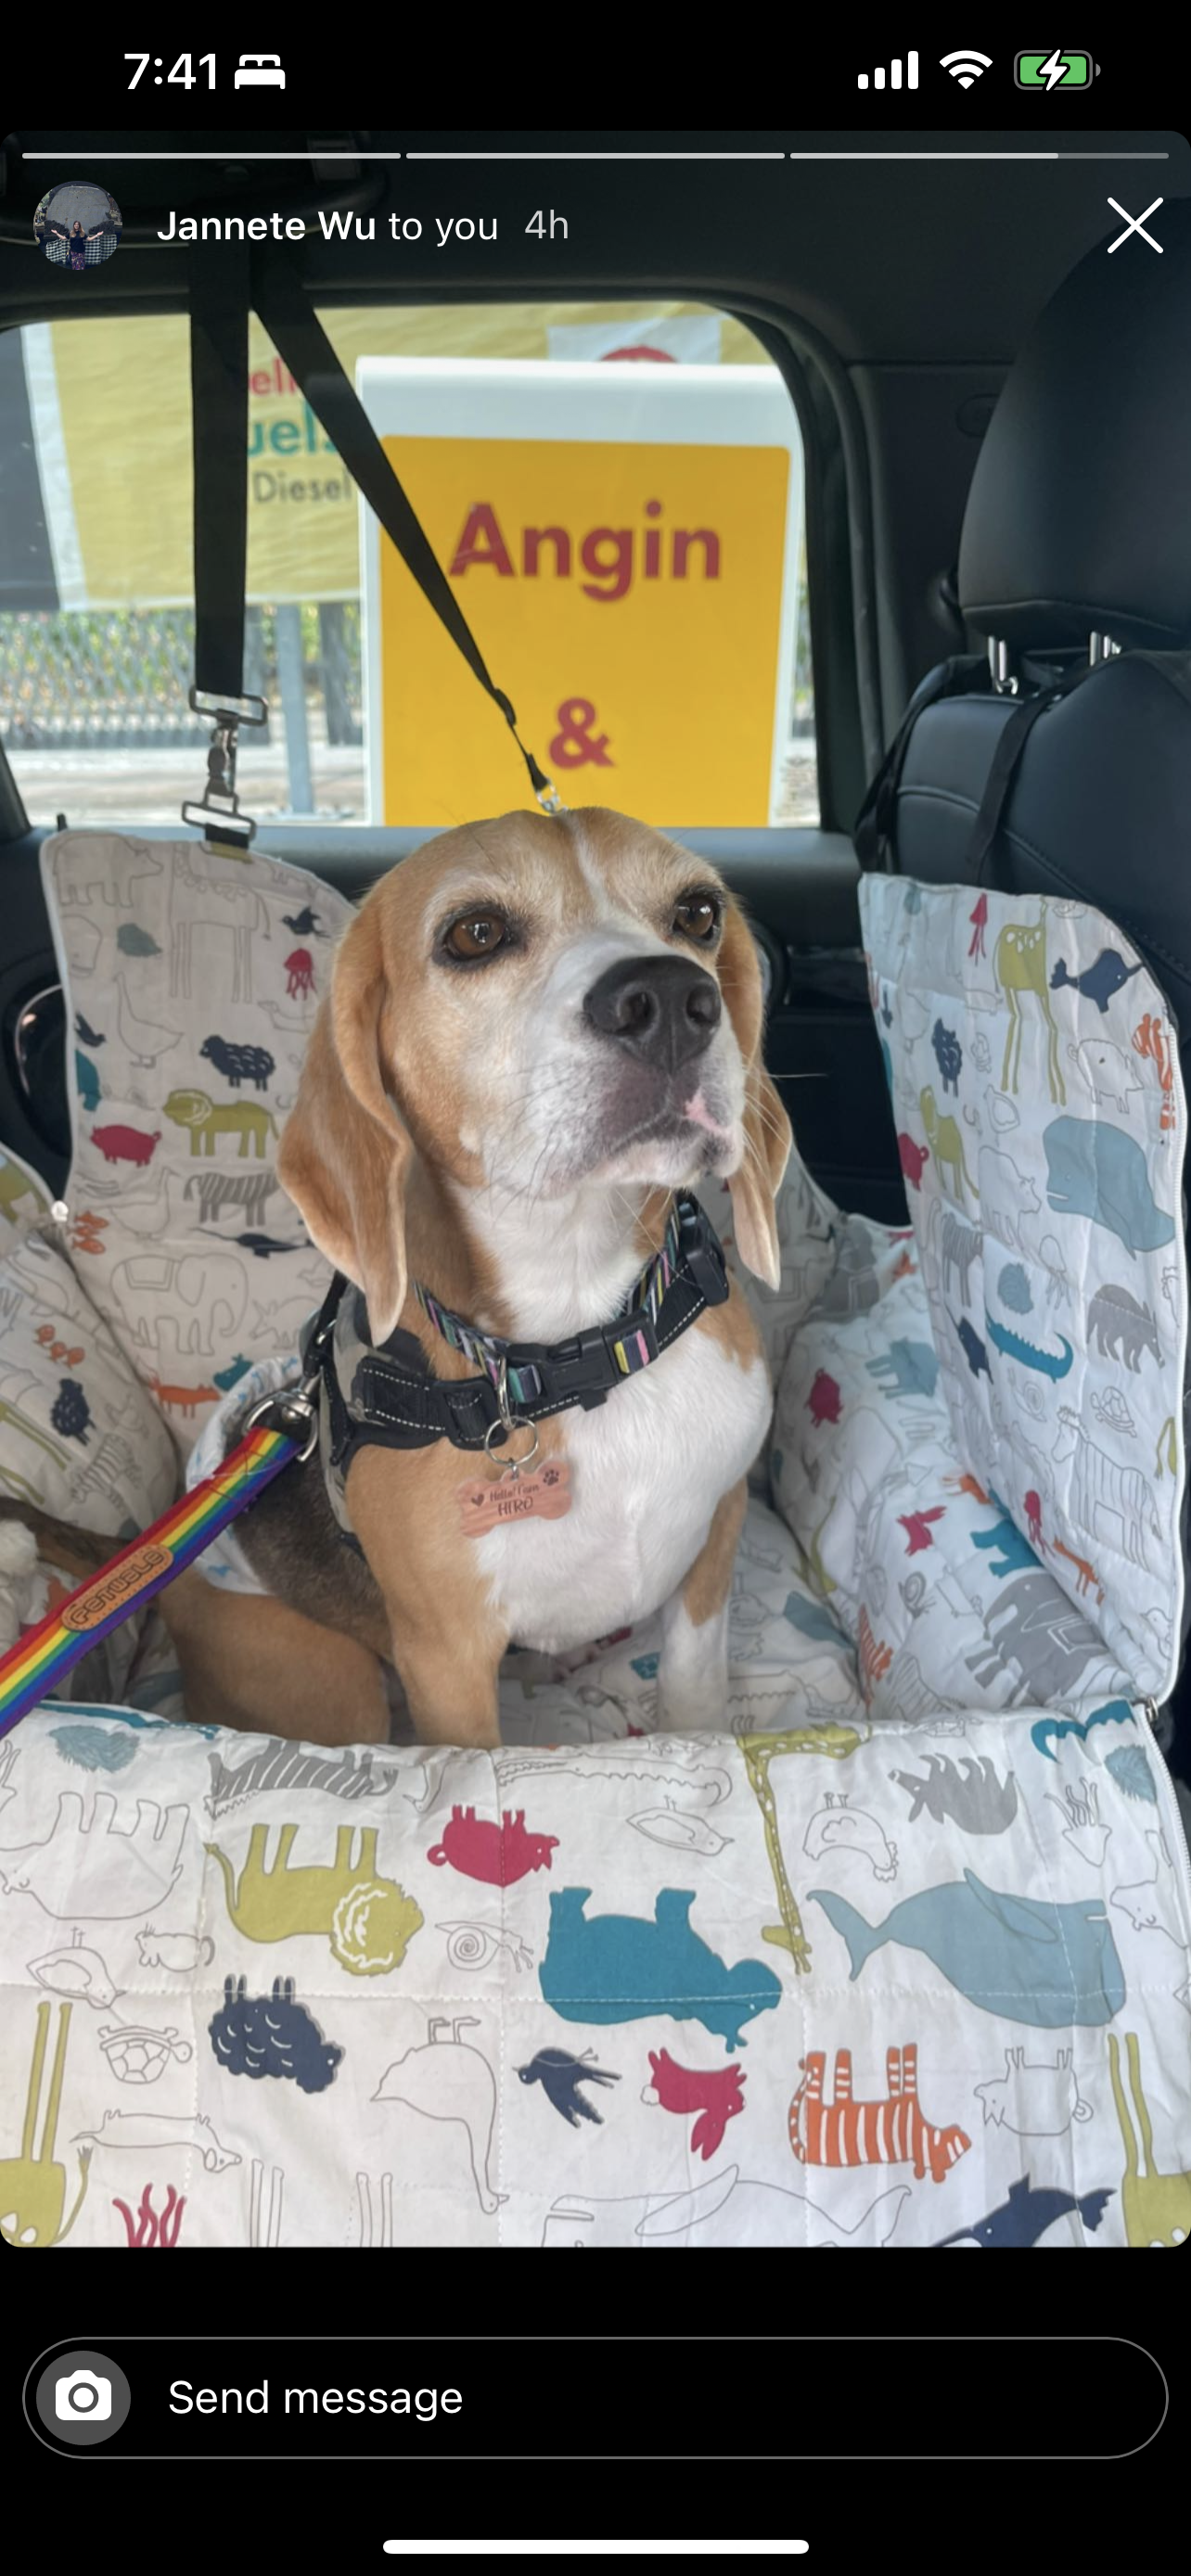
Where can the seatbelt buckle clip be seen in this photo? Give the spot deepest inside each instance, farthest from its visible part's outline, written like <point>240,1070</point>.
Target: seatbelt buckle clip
<point>219,817</point>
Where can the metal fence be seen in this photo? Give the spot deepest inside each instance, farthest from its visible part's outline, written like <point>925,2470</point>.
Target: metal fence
<point>90,679</point>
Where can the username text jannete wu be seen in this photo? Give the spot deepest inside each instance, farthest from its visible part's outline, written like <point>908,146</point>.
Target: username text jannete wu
<point>336,226</point>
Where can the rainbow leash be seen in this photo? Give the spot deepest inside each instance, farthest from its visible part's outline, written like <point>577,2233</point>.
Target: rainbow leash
<point>32,1668</point>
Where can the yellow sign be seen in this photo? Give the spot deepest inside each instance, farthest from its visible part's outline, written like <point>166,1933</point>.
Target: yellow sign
<point>627,598</point>
<point>625,553</point>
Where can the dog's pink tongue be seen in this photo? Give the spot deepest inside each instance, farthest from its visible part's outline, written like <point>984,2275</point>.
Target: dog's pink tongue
<point>700,1115</point>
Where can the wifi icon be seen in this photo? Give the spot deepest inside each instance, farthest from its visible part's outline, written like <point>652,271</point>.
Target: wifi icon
<point>965,65</point>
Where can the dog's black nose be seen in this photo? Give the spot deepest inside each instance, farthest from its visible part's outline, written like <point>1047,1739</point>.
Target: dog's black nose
<point>665,1009</point>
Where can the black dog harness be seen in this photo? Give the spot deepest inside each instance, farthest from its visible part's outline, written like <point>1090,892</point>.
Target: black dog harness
<point>385,1397</point>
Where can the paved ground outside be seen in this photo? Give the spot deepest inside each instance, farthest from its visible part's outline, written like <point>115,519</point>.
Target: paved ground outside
<point>103,786</point>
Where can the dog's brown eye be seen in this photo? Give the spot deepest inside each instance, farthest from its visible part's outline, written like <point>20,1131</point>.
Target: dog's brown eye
<point>698,917</point>
<point>479,934</point>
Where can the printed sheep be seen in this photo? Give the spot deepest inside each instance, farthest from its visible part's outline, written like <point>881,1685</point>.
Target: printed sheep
<point>258,2035</point>
<point>240,1063</point>
<point>70,1413</point>
<point>949,1056</point>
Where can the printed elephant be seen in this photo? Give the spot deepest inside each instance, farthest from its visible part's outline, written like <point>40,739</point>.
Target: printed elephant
<point>210,1288</point>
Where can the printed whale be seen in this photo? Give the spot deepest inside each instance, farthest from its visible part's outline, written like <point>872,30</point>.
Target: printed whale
<point>1054,1966</point>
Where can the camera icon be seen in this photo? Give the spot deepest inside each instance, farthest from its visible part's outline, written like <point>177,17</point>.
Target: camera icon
<point>83,2397</point>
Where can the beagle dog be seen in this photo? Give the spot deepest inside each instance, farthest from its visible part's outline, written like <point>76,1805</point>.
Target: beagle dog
<point>539,1030</point>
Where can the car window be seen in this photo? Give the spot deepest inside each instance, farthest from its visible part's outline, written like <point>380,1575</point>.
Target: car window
<point>615,492</point>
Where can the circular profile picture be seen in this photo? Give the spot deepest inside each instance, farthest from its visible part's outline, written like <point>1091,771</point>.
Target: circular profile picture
<point>78,225</point>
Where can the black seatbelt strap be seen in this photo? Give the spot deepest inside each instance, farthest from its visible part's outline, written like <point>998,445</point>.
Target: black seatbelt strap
<point>297,335</point>
<point>874,833</point>
<point>219,398</point>
<point>981,867</point>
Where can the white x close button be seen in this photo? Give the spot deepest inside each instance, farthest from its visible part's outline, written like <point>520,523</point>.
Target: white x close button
<point>1135,224</point>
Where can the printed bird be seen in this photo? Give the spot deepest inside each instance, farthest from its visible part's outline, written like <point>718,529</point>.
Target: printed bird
<point>916,1527</point>
<point>261,1244</point>
<point>85,1033</point>
<point>560,2076</point>
<point>304,924</point>
<point>716,2096</point>
<point>144,1039</point>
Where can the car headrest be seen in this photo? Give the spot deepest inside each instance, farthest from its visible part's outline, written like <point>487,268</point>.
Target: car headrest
<point>1079,516</point>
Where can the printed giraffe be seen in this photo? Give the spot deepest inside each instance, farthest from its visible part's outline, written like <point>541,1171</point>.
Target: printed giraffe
<point>1156,2206</point>
<point>18,1421</point>
<point>32,2186</point>
<point>1020,967</point>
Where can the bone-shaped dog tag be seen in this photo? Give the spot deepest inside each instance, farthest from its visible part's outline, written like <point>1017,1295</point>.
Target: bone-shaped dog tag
<point>542,1493</point>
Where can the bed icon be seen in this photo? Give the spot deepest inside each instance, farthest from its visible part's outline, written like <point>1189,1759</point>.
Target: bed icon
<point>260,71</point>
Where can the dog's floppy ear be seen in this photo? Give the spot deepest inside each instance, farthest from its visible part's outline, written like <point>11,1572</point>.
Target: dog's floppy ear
<point>345,1150</point>
<point>767,1132</point>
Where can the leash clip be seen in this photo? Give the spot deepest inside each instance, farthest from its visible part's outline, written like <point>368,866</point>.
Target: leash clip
<point>289,1407</point>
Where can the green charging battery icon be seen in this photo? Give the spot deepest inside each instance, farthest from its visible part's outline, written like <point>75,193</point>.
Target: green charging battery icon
<point>1054,71</point>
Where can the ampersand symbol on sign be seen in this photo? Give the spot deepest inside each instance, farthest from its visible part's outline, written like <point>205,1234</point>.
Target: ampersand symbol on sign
<point>574,747</point>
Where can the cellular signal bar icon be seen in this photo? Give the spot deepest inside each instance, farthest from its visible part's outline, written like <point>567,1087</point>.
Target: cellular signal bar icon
<point>894,77</point>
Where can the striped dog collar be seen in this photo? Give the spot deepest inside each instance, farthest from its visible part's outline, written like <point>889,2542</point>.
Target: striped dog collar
<point>631,1337</point>
<point>388,1397</point>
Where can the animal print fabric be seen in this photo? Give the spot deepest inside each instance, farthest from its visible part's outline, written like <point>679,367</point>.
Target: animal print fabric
<point>945,1600</point>
<point>899,1956</point>
<point>78,1434</point>
<point>24,1198</point>
<point>854,1985</point>
<point>192,979</point>
<point>1036,1091</point>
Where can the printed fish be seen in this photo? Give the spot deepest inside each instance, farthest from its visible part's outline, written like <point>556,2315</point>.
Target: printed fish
<point>1021,1957</point>
<point>1026,2215</point>
<point>1097,983</point>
